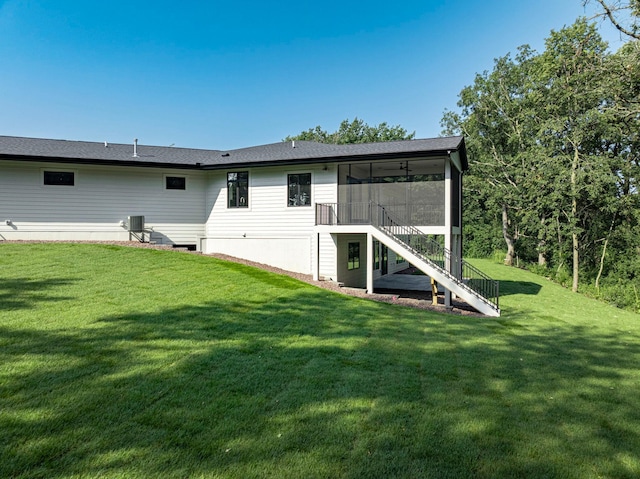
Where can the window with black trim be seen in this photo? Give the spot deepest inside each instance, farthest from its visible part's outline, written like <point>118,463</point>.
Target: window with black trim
<point>59,178</point>
<point>175,182</point>
<point>238,189</point>
<point>376,254</point>
<point>354,256</point>
<point>299,189</point>
<point>400,259</point>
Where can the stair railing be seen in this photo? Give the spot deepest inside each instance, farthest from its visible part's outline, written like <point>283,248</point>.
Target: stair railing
<point>421,244</point>
<point>428,248</point>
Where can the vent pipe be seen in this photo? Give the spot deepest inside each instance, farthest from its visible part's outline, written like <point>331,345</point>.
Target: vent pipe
<point>293,143</point>
<point>135,148</point>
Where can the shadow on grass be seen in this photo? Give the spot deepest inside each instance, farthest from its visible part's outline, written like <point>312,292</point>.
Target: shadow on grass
<point>21,293</point>
<point>305,387</point>
<point>508,287</point>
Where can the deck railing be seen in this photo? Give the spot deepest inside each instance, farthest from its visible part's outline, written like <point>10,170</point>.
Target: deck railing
<point>422,245</point>
<point>363,213</point>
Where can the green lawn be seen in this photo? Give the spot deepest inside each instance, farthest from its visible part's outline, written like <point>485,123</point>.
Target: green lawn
<point>132,363</point>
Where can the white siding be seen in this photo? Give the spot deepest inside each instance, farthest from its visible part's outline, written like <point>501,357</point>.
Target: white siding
<point>328,251</point>
<point>393,265</point>
<point>101,198</point>
<point>268,230</point>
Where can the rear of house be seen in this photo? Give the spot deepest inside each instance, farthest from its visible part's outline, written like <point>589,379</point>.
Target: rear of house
<point>346,213</point>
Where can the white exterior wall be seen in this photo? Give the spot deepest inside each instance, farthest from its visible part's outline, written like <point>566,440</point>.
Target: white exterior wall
<point>393,266</point>
<point>268,231</point>
<point>101,198</point>
<point>328,265</point>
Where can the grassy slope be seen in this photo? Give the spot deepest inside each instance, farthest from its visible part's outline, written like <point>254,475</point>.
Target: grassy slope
<point>119,362</point>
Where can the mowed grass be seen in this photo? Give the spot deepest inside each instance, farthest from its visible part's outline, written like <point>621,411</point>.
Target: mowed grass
<point>127,363</point>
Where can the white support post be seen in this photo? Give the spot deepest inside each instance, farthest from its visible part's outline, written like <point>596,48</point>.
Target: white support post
<point>315,244</point>
<point>447,224</point>
<point>447,299</point>
<point>370,260</point>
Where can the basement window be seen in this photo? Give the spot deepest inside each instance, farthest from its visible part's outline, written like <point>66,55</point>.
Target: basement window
<point>176,182</point>
<point>59,178</point>
<point>354,256</point>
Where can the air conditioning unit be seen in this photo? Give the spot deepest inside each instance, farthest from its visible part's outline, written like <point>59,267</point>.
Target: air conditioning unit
<point>136,224</point>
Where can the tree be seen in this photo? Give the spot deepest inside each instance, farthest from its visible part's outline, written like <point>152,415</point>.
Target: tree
<point>356,131</point>
<point>572,125</point>
<point>623,15</point>
<point>495,118</point>
<point>554,158</point>
<point>621,243</point>
<point>534,127</point>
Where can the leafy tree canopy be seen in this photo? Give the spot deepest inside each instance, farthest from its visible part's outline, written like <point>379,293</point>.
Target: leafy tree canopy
<point>356,131</point>
<point>555,154</point>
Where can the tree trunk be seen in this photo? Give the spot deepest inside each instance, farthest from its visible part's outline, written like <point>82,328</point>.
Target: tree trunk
<point>574,218</point>
<point>542,244</point>
<point>542,259</point>
<point>511,250</point>
<point>576,262</point>
<point>604,252</point>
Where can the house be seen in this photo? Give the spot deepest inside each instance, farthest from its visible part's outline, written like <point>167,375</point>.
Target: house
<point>346,213</point>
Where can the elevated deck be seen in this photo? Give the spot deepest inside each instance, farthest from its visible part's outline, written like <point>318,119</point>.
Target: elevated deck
<point>422,251</point>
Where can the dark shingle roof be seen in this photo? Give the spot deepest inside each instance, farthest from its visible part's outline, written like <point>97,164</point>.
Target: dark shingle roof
<point>309,151</point>
<point>92,152</point>
<point>38,149</point>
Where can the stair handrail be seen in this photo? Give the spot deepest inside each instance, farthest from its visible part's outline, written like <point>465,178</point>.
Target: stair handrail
<point>439,256</point>
<point>425,247</point>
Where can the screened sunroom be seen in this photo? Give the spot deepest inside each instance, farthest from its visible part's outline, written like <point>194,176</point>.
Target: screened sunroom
<point>412,192</point>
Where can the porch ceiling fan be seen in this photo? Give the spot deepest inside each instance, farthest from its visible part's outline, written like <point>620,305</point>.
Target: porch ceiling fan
<point>404,166</point>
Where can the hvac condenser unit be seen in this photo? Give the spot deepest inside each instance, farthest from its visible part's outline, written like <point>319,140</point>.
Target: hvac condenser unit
<point>136,224</point>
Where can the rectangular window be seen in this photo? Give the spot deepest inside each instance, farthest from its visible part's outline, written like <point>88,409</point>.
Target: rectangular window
<point>175,182</point>
<point>399,259</point>
<point>354,256</point>
<point>299,189</point>
<point>59,178</point>
<point>238,189</point>
<point>376,254</point>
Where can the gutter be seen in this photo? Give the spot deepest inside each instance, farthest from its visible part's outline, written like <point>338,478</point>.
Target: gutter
<point>83,161</point>
<point>329,159</point>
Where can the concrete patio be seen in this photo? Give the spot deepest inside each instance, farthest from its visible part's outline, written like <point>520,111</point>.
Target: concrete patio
<point>403,282</point>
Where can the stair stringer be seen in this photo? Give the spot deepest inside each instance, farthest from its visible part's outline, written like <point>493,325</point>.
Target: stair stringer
<point>441,276</point>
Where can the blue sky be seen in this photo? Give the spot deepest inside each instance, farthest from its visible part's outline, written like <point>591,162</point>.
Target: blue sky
<point>223,75</point>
